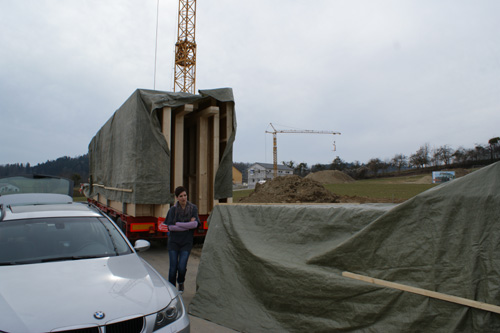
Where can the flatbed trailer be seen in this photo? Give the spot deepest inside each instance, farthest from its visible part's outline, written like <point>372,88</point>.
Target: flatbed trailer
<point>144,227</point>
<point>155,142</point>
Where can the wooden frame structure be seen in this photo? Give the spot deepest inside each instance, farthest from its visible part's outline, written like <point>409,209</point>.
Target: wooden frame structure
<point>196,135</point>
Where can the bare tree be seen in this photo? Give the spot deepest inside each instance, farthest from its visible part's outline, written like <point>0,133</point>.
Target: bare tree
<point>337,164</point>
<point>375,164</point>
<point>460,155</point>
<point>494,143</point>
<point>481,152</point>
<point>318,167</point>
<point>434,158</point>
<point>399,161</point>
<point>301,169</point>
<point>443,154</point>
<point>421,158</point>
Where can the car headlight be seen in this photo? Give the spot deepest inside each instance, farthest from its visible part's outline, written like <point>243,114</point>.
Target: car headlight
<point>168,315</point>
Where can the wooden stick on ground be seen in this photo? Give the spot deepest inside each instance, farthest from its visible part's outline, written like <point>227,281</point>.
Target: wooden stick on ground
<point>425,292</point>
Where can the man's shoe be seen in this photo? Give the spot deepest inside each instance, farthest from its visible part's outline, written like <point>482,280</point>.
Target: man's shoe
<point>181,287</point>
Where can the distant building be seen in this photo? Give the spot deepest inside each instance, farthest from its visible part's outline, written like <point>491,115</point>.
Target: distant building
<point>237,176</point>
<point>260,172</point>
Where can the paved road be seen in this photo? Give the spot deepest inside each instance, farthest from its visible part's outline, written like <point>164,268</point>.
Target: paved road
<point>157,256</point>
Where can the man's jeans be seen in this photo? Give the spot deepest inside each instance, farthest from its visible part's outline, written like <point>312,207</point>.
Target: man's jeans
<point>178,264</point>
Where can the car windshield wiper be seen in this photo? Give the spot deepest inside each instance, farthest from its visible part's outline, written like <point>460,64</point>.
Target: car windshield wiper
<point>36,261</point>
<point>74,257</point>
<point>8,263</point>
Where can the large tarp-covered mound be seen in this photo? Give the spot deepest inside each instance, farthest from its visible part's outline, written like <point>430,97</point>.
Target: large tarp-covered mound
<point>130,151</point>
<point>279,268</point>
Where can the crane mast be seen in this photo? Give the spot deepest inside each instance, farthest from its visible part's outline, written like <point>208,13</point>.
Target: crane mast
<point>185,48</point>
<point>275,144</point>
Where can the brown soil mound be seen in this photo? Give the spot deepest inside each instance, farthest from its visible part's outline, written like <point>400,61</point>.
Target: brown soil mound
<point>330,177</point>
<point>290,189</point>
<point>425,180</point>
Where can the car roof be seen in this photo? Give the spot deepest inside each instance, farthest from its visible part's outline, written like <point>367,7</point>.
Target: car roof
<point>36,184</point>
<point>42,205</point>
<point>34,199</point>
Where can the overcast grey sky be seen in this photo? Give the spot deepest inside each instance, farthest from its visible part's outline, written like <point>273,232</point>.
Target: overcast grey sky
<point>389,75</point>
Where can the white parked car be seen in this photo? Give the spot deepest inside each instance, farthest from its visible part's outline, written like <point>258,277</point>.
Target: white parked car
<point>66,267</point>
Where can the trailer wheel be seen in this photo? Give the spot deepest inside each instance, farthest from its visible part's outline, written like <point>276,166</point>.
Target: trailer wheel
<point>120,224</point>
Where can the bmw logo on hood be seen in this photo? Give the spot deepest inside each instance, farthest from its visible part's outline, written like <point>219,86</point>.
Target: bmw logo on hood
<point>99,315</point>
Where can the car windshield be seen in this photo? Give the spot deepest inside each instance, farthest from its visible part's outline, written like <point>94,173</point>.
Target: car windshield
<point>36,184</point>
<point>55,239</point>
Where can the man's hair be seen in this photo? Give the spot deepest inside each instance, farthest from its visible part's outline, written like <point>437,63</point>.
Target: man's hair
<point>179,190</point>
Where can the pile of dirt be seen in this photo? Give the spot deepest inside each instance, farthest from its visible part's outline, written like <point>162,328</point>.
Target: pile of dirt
<point>427,179</point>
<point>330,177</point>
<point>290,189</point>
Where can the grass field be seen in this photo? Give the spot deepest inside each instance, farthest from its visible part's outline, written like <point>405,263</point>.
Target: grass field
<point>374,189</point>
<point>241,194</point>
<point>395,189</point>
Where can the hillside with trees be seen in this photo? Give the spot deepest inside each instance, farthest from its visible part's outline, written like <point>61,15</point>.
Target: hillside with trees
<point>74,168</point>
<point>424,159</point>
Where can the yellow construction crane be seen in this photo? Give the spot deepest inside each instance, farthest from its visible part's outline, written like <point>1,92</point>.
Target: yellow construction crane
<point>185,48</point>
<point>275,144</point>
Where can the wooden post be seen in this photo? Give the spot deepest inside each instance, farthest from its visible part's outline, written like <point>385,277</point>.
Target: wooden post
<point>229,129</point>
<point>215,157</point>
<point>166,125</point>
<point>203,157</point>
<point>177,170</point>
<point>425,292</point>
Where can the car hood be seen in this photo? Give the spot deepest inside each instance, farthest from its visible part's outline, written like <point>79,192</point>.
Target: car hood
<point>47,296</point>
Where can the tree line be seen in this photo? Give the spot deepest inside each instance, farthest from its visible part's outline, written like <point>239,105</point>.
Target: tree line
<point>77,168</point>
<point>424,158</point>
<point>74,168</point>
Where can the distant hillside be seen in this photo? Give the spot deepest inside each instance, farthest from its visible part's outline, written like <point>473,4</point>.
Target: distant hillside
<point>75,168</point>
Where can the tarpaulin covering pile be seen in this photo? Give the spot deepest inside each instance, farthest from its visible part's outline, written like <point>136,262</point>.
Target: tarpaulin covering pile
<point>279,268</point>
<point>130,152</point>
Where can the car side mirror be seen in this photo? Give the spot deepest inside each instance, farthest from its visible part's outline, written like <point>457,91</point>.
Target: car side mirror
<point>141,245</point>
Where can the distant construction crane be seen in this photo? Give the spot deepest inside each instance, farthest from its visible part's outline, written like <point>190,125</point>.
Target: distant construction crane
<point>275,144</point>
<point>185,48</point>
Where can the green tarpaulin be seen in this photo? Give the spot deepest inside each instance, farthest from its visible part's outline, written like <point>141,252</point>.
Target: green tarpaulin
<point>130,152</point>
<point>278,267</point>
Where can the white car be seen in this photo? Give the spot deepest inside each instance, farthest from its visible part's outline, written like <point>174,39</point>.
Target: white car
<point>66,267</point>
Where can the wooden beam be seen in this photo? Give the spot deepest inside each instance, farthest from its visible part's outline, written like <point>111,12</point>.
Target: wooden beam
<point>205,154</point>
<point>202,165</point>
<point>184,109</point>
<point>129,190</point>
<point>208,112</point>
<point>190,167</point>
<point>229,120</point>
<point>177,170</point>
<point>215,157</point>
<point>425,292</point>
<point>166,124</point>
